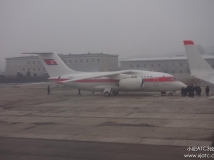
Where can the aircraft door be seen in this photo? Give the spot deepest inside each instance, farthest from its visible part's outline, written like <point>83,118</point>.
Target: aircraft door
<point>156,82</point>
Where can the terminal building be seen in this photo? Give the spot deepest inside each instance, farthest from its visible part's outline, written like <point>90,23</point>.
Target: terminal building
<point>176,66</point>
<point>79,62</point>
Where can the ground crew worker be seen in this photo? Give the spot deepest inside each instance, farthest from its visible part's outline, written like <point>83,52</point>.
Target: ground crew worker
<point>79,92</point>
<point>207,90</point>
<point>185,92</point>
<point>199,91</point>
<point>189,90</point>
<point>182,91</point>
<point>196,90</point>
<point>192,90</point>
<point>48,89</point>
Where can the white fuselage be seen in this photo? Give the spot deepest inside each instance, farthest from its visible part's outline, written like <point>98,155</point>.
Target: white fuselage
<point>151,82</point>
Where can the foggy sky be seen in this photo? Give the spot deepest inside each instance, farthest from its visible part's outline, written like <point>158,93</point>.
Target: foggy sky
<point>123,27</point>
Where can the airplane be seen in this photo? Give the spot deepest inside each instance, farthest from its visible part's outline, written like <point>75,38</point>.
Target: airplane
<point>110,83</point>
<point>199,68</point>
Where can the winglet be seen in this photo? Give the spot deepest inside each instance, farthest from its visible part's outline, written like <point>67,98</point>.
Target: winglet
<point>188,42</point>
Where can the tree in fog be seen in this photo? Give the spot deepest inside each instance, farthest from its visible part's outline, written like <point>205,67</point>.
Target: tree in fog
<point>28,74</point>
<point>45,75</point>
<point>19,75</point>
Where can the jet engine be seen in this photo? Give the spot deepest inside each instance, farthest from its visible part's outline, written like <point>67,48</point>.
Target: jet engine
<point>131,83</point>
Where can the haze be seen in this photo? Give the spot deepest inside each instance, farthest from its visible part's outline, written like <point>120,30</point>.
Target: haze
<point>123,27</point>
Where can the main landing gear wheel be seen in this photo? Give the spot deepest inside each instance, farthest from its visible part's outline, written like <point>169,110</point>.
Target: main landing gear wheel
<point>115,93</point>
<point>106,94</point>
<point>170,94</point>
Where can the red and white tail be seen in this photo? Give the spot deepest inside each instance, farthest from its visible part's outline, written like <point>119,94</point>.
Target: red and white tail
<point>198,66</point>
<point>53,64</point>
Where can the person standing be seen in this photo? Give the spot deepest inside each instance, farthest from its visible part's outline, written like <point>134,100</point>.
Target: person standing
<point>189,90</point>
<point>192,91</point>
<point>196,90</point>
<point>185,91</point>
<point>199,91</point>
<point>48,89</point>
<point>79,92</point>
<point>182,91</point>
<point>207,90</point>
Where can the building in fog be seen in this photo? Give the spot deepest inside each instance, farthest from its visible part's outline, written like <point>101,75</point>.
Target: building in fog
<point>177,66</point>
<point>79,62</point>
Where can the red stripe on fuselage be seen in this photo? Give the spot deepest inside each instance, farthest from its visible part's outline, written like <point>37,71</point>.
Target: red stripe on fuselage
<point>159,79</point>
<point>98,80</point>
<point>153,79</point>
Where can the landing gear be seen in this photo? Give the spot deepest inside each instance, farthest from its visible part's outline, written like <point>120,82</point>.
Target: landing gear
<point>115,93</point>
<point>107,92</point>
<point>170,94</point>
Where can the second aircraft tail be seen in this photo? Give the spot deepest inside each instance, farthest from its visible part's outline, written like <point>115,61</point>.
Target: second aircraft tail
<point>199,68</point>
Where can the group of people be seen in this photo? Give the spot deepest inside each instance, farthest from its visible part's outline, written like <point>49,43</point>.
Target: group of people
<point>191,90</point>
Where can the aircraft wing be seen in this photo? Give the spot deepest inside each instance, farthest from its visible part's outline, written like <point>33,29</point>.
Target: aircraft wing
<point>199,68</point>
<point>98,75</point>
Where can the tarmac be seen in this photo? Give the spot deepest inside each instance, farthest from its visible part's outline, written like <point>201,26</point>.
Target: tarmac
<point>137,125</point>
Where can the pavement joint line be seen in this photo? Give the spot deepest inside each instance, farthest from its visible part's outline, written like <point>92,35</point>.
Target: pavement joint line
<point>127,114</point>
<point>121,151</point>
<point>92,127</point>
<point>28,128</point>
<point>138,140</point>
